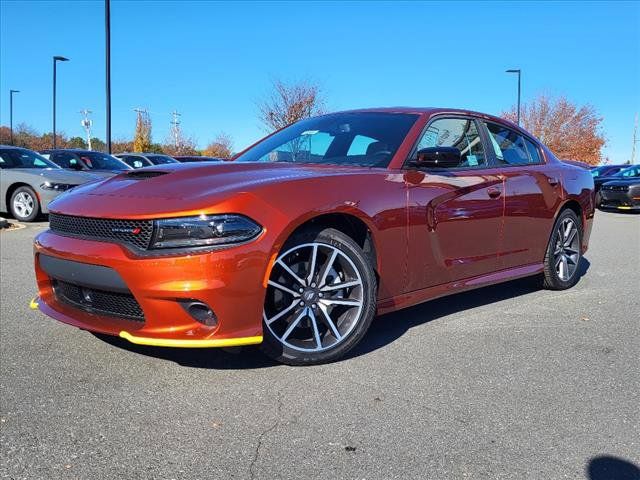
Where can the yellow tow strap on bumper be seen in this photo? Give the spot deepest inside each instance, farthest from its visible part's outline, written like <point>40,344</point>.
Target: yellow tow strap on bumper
<point>34,305</point>
<point>183,343</point>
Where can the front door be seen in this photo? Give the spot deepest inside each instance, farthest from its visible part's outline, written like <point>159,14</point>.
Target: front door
<point>455,214</point>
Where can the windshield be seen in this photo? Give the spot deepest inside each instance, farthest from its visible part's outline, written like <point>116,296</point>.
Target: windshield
<point>367,139</point>
<point>20,158</point>
<point>102,161</point>
<point>161,159</point>
<point>629,172</point>
<point>605,171</point>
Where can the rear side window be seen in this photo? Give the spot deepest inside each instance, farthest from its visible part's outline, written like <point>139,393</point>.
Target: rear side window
<point>511,148</point>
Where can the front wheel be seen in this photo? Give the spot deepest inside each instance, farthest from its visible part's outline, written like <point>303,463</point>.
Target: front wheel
<point>24,204</point>
<point>563,255</point>
<point>320,298</point>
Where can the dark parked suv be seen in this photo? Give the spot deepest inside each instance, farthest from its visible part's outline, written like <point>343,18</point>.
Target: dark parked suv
<point>96,162</point>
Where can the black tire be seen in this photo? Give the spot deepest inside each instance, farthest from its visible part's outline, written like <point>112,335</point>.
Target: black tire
<point>21,215</point>
<point>552,278</point>
<point>329,239</point>
<point>598,199</point>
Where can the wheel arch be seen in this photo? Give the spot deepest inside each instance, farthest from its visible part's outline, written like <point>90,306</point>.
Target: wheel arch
<point>355,224</point>
<point>12,188</point>
<point>571,204</point>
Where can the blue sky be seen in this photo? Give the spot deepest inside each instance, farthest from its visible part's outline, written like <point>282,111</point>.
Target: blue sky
<point>213,61</point>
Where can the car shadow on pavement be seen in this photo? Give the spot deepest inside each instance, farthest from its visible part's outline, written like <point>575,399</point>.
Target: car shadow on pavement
<point>612,468</point>
<point>388,328</point>
<point>383,331</point>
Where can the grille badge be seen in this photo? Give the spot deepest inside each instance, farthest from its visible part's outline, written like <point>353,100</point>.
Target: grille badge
<point>132,231</point>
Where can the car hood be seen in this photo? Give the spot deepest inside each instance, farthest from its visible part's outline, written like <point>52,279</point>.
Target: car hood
<point>57,175</point>
<point>624,181</point>
<point>154,191</point>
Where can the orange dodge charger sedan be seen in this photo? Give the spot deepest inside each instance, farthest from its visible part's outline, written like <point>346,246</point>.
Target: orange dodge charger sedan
<point>306,235</point>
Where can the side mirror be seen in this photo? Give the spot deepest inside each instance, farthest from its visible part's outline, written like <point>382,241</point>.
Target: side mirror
<point>437,157</point>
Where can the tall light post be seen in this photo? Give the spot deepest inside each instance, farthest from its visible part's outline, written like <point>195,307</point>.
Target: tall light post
<point>517,70</point>
<point>56,59</point>
<point>107,61</point>
<point>11,92</point>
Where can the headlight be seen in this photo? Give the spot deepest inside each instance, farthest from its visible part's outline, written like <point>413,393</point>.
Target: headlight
<point>58,187</point>
<point>205,230</point>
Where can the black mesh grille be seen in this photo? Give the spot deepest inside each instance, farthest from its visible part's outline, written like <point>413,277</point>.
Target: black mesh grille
<point>114,304</point>
<point>135,232</point>
<point>616,188</point>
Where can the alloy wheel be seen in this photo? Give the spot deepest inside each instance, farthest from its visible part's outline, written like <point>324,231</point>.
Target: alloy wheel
<point>567,249</point>
<point>314,297</point>
<point>23,204</point>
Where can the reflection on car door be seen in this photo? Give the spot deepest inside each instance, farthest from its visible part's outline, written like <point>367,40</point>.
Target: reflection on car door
<point>532,192</point>
<point>455,215</point>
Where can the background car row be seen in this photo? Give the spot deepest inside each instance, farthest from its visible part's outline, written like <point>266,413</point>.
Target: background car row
<point>29,180</point>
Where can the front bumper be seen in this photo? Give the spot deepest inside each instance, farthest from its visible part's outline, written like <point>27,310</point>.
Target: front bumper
<point>619,200</point>
<point>230,281</point>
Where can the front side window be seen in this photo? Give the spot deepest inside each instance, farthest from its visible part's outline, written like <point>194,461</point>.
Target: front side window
<point>65,160</point>
<point>460,133</point>
<point>18,158</point>
<point>510,147</point>
<point>368,139</point>
<point>101,161</point>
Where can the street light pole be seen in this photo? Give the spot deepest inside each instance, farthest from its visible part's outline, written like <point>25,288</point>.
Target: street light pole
<point>107,30</point>
<point>56,59</point>
<point>517,70</point>
<point>11,92</point>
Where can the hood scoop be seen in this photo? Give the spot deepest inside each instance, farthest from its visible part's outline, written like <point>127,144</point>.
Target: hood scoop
<point>142,174</point>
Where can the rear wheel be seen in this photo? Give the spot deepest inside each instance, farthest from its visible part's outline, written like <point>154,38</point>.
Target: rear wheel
<point>24,204</point>
<point>320,298</point>
<point>563,255</point>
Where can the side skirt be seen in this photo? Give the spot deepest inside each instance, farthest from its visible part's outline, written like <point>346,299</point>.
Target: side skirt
<point>419,296</point>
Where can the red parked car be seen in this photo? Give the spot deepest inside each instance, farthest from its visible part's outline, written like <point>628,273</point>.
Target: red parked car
<point>309,233</point>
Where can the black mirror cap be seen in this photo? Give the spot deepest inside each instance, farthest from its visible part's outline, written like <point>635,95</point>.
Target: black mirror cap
<point>437,157</point>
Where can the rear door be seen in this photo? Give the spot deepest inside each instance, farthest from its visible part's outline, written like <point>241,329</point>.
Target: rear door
<point>454,215</point>
<point>532,194</point>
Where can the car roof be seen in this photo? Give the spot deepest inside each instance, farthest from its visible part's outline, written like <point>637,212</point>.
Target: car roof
<point>433,111</point>
<point>72,150</point>
<point>143,154</point>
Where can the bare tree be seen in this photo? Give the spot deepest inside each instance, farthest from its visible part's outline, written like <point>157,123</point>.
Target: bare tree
<point>289,103</point>
<point>185,145</point>
<point>221,147</point>
<point>570,131</point>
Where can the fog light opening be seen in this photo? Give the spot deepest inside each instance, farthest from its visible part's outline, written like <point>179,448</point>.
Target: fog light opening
<point>200,312</point>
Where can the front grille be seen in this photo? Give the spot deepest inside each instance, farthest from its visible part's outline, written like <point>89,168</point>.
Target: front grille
<point>134,232</point>
<point>616,188</point>
<point>114,304</point>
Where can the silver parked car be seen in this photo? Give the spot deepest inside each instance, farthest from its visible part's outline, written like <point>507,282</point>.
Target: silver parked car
<point>28,182</point>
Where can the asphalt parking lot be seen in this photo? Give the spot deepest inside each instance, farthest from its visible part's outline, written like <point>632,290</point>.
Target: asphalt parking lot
<point>505,382</point>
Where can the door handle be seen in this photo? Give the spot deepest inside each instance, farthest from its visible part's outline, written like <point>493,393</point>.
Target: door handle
<point>494,192</point>
<point>553,181</point>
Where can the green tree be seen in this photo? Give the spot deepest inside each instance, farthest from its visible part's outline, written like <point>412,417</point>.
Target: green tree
<point>98,145</point>
<point>77,142</point>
